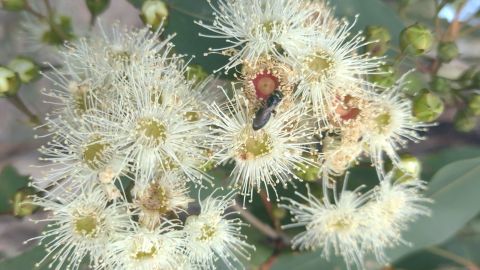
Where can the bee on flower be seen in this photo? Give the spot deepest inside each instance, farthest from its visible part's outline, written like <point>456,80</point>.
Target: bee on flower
<point>265,157</point>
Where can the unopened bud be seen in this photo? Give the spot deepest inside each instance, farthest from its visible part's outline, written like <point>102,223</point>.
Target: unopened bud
<point>467,79</point>
<point>59,32</point>
<point>465,121</point>
<point>379,39</point>
<point>9,82</point>
<point>12,5</point>
<point>22,202</point>
<point>97,7</point>
<point>440,85</point>
<point>427,107</point>
<point>154,13</point>
<point>307,172</point>
<point>196,73</point>
<point>416,39</point>
<point>386,76</point>
<point>447,51</point>
<point>408,168</point>
<point>26,69</point>
<point>476,80</point>
<point>474,105</point>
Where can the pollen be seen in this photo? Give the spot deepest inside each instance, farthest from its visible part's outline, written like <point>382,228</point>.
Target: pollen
<point>151,130</point>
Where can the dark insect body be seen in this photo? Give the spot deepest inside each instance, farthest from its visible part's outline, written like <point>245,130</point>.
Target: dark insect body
<point>262,116</point>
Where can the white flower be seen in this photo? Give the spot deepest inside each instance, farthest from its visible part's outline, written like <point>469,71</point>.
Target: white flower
<point>254,28</point>
<point>395,204</point>
<point>79,155</point>
<point>264,157</point>
<point>159,197</point>
<point>389,125</point>
<point>159,125</point>
<point>144,249</point>
<point>212,235</point>
<point>334,227</point>
<point>332,62</point>
<point>81,224</point>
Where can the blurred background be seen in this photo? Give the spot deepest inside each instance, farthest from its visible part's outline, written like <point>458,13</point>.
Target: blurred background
<point>455,138</point>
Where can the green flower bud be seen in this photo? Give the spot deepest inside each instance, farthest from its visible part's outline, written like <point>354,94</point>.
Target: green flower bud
<point>9,82</point>
<point>476,80</point>
<point>26,69</point>
<point>440,85</point>
<point>380,39</point>
<point>196,73</point>
<point>416,39</point>
<point>386,79</point>
<point>60,32</point>
<point>97,7</point>
<point>447,51</point>
<point>22,202</point>
<point>154,13</point>
<point>427,107</point>
<point>409,168</point>
<point>12,5</point>
<point>307,172</point>
<point>465,121</point>
<point>279,213</point>
<point>468,78</point>
<point>474,105</point>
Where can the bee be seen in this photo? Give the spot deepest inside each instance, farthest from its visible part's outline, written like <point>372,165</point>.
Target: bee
<point>263,114</point>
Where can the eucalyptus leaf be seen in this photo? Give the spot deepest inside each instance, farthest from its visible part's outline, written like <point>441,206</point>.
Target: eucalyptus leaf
<point>10,182</point>
<point>26,260</point>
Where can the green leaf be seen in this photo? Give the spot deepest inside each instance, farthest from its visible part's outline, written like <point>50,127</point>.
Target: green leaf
<point>26,260</point>
<point>10,182</point>
<point>371,12</point>
<point>455,191</point>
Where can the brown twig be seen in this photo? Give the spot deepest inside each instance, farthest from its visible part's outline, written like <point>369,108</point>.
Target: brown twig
<point>20,105</point>
<point>255,222</point>
<point>454,257</point>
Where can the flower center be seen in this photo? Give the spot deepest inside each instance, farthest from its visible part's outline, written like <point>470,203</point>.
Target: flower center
<point>269,26</point>
<point>341,224</point>
<point>86,224</point>
<point>346,110</point>
<point>207,232</point>
<point>321,64</point>
<point>192,116</point>
<point>265,83</point>
<point>255,146</point>
<point>383,121</point>
<point>144,253</point>
<point>156,199</point>
<point>151,129</point>
<point>95,153</point>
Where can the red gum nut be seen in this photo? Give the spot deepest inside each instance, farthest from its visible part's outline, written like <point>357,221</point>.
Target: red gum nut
<point>265,83</point>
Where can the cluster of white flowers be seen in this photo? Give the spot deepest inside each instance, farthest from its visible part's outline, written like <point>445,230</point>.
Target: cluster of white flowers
<point>306,105</point>
<point>130,135</point>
